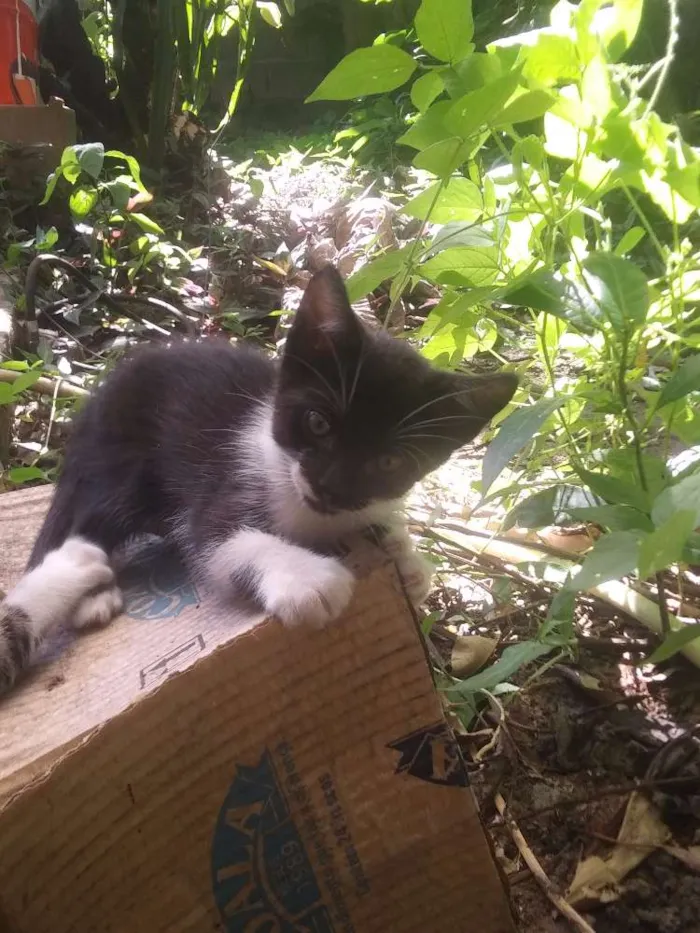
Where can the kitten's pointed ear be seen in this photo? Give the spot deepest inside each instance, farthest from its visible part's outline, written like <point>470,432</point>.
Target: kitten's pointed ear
<point>325,307</point>
<point>485,396</point>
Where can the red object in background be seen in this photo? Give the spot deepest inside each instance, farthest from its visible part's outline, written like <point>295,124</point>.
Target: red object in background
<point>19,54</point>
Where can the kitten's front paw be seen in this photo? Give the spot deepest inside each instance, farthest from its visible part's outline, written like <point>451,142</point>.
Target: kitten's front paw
<point>416,574</point>
<point>314,590</point>
<point>72,571</point>
<point>98,609</point>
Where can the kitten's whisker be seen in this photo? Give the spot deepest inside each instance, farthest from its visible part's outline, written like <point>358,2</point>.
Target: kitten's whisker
<point>334,394</point>
<point>439,437</point>
<point>358,370</point>
<point>431,421</point>
<point>432,401</point>
<point>341,376</point>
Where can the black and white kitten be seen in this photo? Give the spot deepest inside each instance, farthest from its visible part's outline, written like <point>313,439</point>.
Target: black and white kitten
<point>257,470</point>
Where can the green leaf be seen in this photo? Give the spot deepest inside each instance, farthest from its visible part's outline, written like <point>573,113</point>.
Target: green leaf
<point>146,223</point>
<point>461,234</point>
<point>51,183</point>
<point>629,240</point>
<point>513,658</point>
<point>558,627</point>
<point>270,12</point>
<point>480,108</point>
<point>120,193</point>
<point>615,490</point>
<point>425,89</point>
<point>463,266</point>
<point>549,507</point>
<point>132,164</point>
<point>444,158</point>
<point>528,106</point>
<point>514,433</point>
<point>70,166</point>
<point>82,200</point>
<point>45,240</point>
<point>373,70</point>
<point>674,642</point>
<point>6,394</point>
<point>541,291</point>
<point>445,28</point>
<point>685,379</point>
<point>429,128</point>
<point>24,381</point>
<point>682,496</point>
<point>665,545</point>
<point>378,270</point>
<point>614,517</point>
<point>20,475</point>
<point>613,556</point>
<point>90,158</point>
<point>620,287</point>
<point>553,59</point>
<point>458,199</point>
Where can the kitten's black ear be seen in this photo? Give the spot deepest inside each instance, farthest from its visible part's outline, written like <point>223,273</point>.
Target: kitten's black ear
<point>325,310</point>
<point>485,396</point>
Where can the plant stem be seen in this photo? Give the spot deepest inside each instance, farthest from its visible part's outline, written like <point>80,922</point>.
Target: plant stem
<point>638,451</point>
<point>410,259</point>
<point>673,24</point>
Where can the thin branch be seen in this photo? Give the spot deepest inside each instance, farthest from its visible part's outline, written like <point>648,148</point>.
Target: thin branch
<point>539,874</point>
<point>47,385</point>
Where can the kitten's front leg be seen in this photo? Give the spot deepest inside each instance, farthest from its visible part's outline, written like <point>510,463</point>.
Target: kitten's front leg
<point>415,570</point>
<point>47,597</point>
<point>289,582</point>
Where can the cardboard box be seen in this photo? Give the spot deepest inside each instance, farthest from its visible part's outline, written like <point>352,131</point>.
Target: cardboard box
<point>195,768</point>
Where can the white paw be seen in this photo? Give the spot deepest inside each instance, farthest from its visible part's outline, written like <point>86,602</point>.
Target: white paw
<point>50,592</point>
<point>314,590</point>
<point>99,609</point>
<point>416,574</point>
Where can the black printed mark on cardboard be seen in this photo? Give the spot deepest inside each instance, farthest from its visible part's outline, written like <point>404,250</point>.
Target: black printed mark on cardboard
<point>262,878</point>
<point>175,660</point>
<point>341,833</point>
<point>313,828</point>
<point>431,754</point>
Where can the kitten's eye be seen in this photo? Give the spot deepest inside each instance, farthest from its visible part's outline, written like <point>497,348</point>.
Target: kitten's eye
<point>316,423</point>
<point>390,463</point>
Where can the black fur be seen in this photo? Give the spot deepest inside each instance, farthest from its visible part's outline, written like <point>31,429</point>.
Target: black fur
<point>155,449</point>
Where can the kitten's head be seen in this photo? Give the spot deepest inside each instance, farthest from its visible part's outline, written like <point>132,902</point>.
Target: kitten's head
<point>362,414</point>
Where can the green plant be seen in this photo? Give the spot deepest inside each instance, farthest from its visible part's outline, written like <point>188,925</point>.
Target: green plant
<point>170,55</point>
<point>105,193</point>
<point>555,198</point>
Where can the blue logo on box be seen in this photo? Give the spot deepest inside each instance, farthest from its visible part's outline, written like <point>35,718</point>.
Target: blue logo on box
<point>156,584</point>
<point>262,878</point>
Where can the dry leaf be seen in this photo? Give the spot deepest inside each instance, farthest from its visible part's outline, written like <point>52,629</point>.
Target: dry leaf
<point>690,856</point>
<point>589,685</point>
<point>470,653</point>
<point>598,879</point>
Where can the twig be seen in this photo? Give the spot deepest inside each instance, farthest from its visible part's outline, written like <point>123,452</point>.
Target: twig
<point>114,302</point>
<point>530,859</point>
<point>52,417</point>
<point>619,791</point>
<point>615,592</point>
<point>46,385</point>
